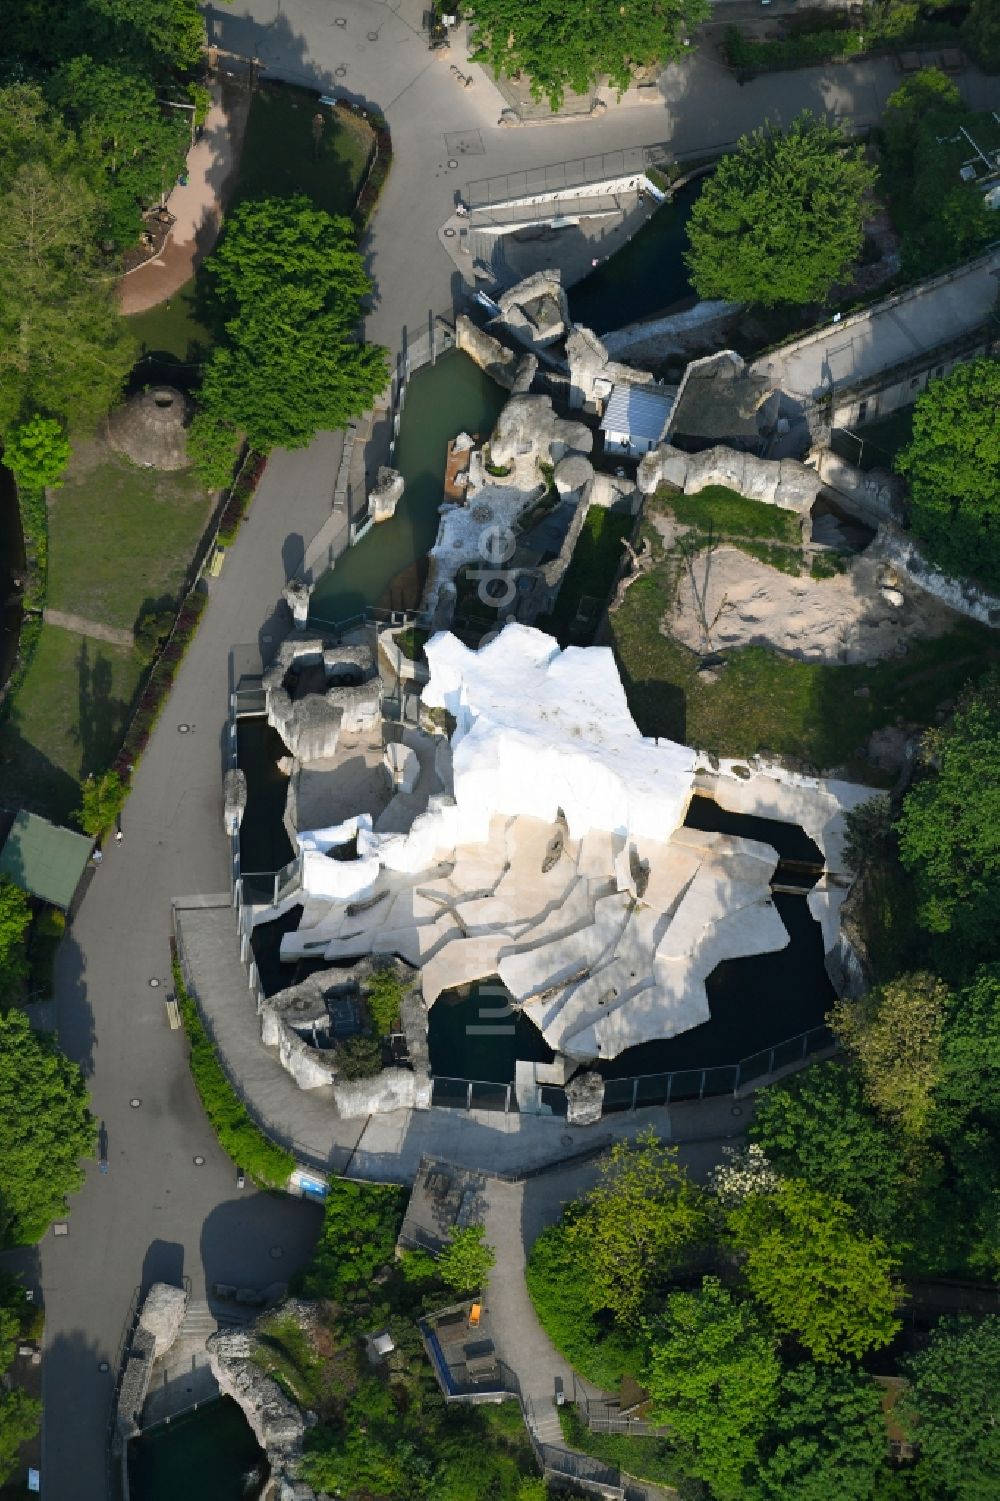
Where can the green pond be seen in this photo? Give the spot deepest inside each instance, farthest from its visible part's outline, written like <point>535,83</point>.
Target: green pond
<point>386,566</point>
<point>206,1455</point>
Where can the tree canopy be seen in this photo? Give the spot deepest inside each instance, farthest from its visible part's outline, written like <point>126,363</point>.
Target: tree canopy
<point>953,1411</point>
<point>780,219</point>
<point>713,1377</point>
<point>288,282</point>
<point>817,1125</point>
<point>640,1222</point>
<point>953,467</point>
<point>45,1128</point>
<point>949,828</point>
<point>896,1032</point>
<point>64,349</point>
<point>563,44</point>
<point>466,1261</point>
<point>826,1441</point>
<point>818,1276</point>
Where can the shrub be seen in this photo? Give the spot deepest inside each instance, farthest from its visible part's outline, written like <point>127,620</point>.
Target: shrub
<point>36,453</point>
<point>559,1284</point>
<point>101,800</point>
<point>466,1262</point>
<point>411,642</point>
<point>159,683</point>
<point>384,997</point>
<point>360,1225</point>
<point>268,1164</point>
<point>358,1058</point>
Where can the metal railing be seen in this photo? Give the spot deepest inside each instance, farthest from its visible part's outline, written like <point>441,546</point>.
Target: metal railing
<point>472,1094</point>
<point>728,1078</point>
<point>561,175</point>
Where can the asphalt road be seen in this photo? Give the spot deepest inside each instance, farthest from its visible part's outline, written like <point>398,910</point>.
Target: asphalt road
<point>157,1214</point>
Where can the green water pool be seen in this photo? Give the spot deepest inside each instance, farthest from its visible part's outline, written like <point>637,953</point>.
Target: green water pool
<point>206,1455</point>
<point>386,566</point>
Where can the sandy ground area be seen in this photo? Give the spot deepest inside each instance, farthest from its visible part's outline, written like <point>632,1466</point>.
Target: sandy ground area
<point>197,207</point>
<point>844,619</point>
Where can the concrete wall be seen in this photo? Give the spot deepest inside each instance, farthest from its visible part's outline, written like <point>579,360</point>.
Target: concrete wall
<point>851,409</point>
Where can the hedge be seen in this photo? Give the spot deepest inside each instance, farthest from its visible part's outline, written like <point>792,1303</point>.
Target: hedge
<point>269,1165</point>
<point>240,497</point>
<point>828,45</point>
<point>377,172</point>
<point>159,683</point>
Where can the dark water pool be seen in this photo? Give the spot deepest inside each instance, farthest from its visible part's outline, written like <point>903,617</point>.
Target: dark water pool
<point>206,1455</point>
<point>264,845</point>
<point>477,1036</point>
<point>643,279</point>
<point>790,841</point>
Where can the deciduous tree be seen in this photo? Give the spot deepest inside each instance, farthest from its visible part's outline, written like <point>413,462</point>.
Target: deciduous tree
<point>780,220</point>
<point>826,1441</point>
<point>949,829</point>
<point>953,1411</point>
<point>641,1221</point>
<point>817,1126</point>
<point>45,1128</point>
<point>36,453</point>
<point>466,1260</point>
<point>895,1032</point>
<point>290,281</point>
<point>713,1377</point>
<point>564,44</point>
<point>953,468</point>
<point>101,800</point>
<point>818,1276</point>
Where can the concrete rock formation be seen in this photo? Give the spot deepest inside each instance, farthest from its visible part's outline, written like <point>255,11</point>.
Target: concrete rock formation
<point>584,1100</point>
<point>499,362</point>
<point>278,1425</point>
<point>535,311</point>
<point>592,371</point>
<point>151,428</point>
<point>234,799</point>
<point>777,482</point>
<point>314,692</point>
<point>163,1314</point>
<point>297,595</point>
<point>386,495</point>
<point>529,433</point>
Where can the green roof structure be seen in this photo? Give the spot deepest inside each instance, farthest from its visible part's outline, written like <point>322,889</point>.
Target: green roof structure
<point>44,860</point>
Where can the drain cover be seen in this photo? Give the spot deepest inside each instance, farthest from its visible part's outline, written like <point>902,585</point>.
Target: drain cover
<point>183,729</point>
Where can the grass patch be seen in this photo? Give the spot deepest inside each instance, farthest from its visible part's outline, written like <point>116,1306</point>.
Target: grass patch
<point>727,514</point>
<point>174,328</point>
<point>827,565</point>
<point>412,641</point>
<point>592,569</point>
<point>762,703</point>
<point>121,538</point>
<point>281,157</point>
<point>246,1144</point>
<point>645,1458</point>
<point>67,719</point>
<point>784,559</point>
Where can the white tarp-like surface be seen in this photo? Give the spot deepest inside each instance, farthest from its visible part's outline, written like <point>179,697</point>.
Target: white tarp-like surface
<point>539,729</point>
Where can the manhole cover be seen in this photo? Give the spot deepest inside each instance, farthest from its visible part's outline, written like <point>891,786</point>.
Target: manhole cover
<point>276,1253</point>
<point>154,983</point>
<point>60,1228</point>
<point>736,1110</point>
<point>449,234</point>
<point>104,1368</point>
<point>183,729</point>
<point>135,1103</point>
<point>567,1141</point>
<point>340,20</point>
<point>340,71</point>
<point>452,162</point>
<point>373,36</point>
<point>199,1161</point>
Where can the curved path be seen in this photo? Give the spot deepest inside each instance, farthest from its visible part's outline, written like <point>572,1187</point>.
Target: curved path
<point>157,1213</point>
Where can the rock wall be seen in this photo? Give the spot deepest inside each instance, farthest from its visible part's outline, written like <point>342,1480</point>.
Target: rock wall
<point>962,595</point>
<point>874,494</point>
<point>278,1425</point>
<point>777,482</point>
<point>499,362</point>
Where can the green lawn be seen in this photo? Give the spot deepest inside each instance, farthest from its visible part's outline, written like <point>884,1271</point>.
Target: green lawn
<point>590,574</point>
<point>726,513</point>
<point>763,703</point>
<point>121,537</point>
<point>67,720</point>
<point>174,328</point>
<point>280,156</point>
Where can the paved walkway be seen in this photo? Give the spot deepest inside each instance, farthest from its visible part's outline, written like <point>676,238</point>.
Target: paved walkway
<point>92,628</point>
<point>196,205</point>
<point>892,333</point>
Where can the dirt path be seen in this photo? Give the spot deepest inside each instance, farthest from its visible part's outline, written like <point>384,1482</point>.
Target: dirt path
<point>92,628</point>
<point>197,206</point>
